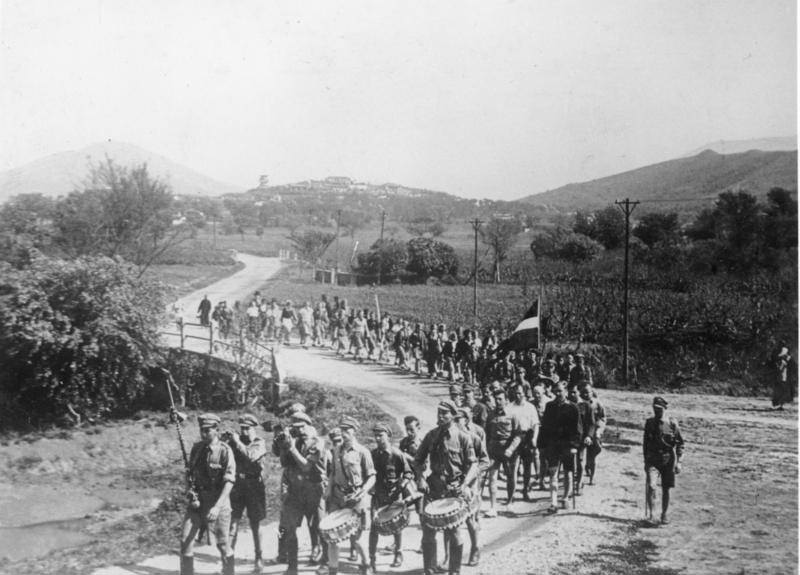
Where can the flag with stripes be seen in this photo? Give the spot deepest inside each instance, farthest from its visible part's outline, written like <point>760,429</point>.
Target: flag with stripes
<point>526,335</point>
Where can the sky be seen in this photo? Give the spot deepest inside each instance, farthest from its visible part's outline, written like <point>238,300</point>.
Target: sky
<point>479,99</point>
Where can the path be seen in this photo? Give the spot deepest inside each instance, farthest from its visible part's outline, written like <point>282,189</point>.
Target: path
<point>543,543</point>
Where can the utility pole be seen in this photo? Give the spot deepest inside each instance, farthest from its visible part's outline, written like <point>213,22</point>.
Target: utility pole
<point>627,207</point>
<point>380,248</point>
<point>338,223</point>
<point>476,225</point>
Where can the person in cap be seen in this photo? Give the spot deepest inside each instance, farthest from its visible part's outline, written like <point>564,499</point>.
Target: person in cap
<point>588,429</point>
<point>503,436</point>
<point>560,437</point>
<point>212,468</point>
<point>594,447</point>
<point>479,410</point>
<point>451,459</point>
<point>304,460</point>
<point>478,435</point>
<point>276,450</point>
<point>580,373</point>
<point>250,452</point>
<point>393,478</point>
<point>663,450</point>
<point>352,477</point>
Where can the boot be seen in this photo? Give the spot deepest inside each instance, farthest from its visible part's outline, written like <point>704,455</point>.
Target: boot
<point>187,565</point>
<point>398,559</point>
<point>474,557</point>
<point>456,552</point>
<point>291,555</point>
<point>229,565</point>
<point>281,558</point>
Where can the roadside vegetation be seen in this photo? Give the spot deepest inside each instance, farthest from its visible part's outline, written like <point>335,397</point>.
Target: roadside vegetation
<point>140,454</point>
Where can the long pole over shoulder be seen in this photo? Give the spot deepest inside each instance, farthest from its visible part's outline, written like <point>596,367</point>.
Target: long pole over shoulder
<point>627,207</point>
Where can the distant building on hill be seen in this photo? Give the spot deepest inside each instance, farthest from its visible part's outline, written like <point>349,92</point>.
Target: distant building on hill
<point>263,181</point>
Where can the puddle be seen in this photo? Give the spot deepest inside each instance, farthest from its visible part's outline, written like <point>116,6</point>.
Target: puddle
<point>37,540</point>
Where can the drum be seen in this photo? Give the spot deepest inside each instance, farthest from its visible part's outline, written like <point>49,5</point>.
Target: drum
<point>391,519</point>
<point>339,525</point>
<point>447,513</point>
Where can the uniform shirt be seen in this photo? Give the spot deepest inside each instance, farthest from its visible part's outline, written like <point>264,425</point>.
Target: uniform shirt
<point>410,445</point>
<point>211,466</point>
<point>352,466</point>
<point>479,445</point>
<point>599,413</point>
<point>312,448</point>
<point>588,425</point>
<point>391,470</point>
<point>580,374</point>
<point>503,428</point>
<point>662,441</point>
<point>250,459</point>
<point>561,425</point>
<point>451,453</point>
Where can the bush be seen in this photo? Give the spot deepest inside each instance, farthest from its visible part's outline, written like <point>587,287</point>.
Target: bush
<point>77,336</point>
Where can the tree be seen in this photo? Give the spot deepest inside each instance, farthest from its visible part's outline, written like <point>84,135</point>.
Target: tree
<point>780,220</point>
<point>609,224</point>
<point>120,212</point>
<point>77,336</point>
<point>500,235</point>
<point>387,257</point>
<point>657,228</point>
<point>311,244</point>
<point>584,224</point>
<point>422,226</point>
<point>25,226</point>
<point>578,248</point>
<point>431,258</point>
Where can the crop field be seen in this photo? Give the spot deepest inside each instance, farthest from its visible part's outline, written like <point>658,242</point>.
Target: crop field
<point>711,339</point>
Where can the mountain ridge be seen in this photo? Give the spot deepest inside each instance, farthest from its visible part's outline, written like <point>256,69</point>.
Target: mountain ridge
<point>60,173</point>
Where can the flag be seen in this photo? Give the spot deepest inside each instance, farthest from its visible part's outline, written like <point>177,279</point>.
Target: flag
<point>526,336</point>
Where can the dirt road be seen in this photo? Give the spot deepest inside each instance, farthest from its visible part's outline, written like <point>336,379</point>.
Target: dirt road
<point>734,510</point>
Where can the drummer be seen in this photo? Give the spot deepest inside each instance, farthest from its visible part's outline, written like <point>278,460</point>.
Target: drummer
<point>352,477</point>
<point>392,476</point>
<point>453,466</point>
<point>478,435</point>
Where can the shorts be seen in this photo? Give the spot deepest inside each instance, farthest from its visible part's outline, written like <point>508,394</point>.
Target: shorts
<point>250,496</point>
<point>497,451</point>
<point>667,473</point>
<point>296,506</point>
<point>556,455</point>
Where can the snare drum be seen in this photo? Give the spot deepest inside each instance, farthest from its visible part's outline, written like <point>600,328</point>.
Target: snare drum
<point>339,525</point>
<point>391,519</point>
<point>447,513</point>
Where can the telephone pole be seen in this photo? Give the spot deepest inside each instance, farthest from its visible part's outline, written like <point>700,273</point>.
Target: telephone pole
<point>627,207</point>
<point>338,222</point>
<point>380,248</point>
<point>476,225</point>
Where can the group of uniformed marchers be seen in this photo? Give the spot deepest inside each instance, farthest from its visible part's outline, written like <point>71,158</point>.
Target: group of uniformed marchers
<point>341,487</point>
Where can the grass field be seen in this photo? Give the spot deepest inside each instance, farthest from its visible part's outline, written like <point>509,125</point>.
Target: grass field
<point>136,456</point>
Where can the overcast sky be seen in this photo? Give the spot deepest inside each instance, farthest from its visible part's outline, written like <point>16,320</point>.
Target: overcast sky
<point>479,99</point>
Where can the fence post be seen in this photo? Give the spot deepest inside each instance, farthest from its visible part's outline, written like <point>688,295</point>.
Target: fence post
<point>180,326</point>
<point>211,339</point>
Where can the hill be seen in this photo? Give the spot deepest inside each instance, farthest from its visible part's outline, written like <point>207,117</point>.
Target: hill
<point>683,181</point>
<point>784,144</point>
<point>59,174</point>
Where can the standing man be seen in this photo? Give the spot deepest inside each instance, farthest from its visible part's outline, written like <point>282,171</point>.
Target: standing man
<point>203,310</point>
<point>302,455</point>
<point>540,401</point>
<point>528,418</point>
<point>580,373</point>
<point>503,436</point>
<point>587,433</point>
<point>480,411</point>
<point>478,436</point>
<point>306,323</point>
<point>561,436</point>
<point>212,468</point>
<point>454,468</point>
<point>782,389</point>
<point>352,477</point>
<point>594,448</point>
<point>248,493</point>
<point>392,473</point>
<point>663,449</point>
